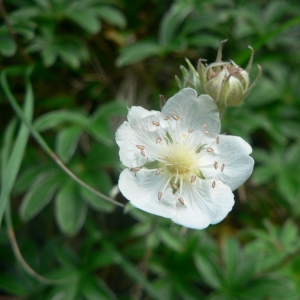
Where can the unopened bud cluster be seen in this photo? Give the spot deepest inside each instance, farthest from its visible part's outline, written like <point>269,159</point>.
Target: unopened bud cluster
<point>225,82</point>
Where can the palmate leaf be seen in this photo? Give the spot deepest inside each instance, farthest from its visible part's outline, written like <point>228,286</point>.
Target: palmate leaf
<point>137,52</point>
<point>10,168</point>
<point>70,210</point>
<point>66,142</point>
<point>40,194</point>
<point>8,46</point>
<point>102,182</point>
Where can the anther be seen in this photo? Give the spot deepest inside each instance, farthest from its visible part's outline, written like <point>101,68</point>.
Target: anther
<point>209,149</point>
<point>213,184</point>
<point>155,123</point>
<point>143,152</point>
<point>205,125</point>
<point>222,167</point>
<point>217,140</point>
<point>167,118</point>
<point>159,195</point>
<point>175,117</point>
<point>158,171</point>
<point>175,186</point>
<point>158,140</point>
<point>136,169</point>
<point>140,147</point>
<point>193,178</point>
<point>180,199</point>
<point>216,165</point>
<point>190,130</point>
<point>206,131</point>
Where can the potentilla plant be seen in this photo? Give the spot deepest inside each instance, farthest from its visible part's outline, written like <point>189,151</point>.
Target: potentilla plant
<point>179,166</point>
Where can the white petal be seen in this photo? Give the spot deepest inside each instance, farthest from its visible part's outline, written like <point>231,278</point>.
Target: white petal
<point>233,152</point>
<point>187,112</point>
<point>142,189</point>
<point>203,205</point>
<point>139,132</point>
<point>138,112</point>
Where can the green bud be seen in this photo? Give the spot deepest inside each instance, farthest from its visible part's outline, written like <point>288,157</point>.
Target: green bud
<point>226,82</point>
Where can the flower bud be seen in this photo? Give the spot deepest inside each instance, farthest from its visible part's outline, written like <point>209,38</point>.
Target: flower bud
<point>225,82</point>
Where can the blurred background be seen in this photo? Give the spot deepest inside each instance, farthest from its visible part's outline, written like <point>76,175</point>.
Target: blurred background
<point>91,60</point>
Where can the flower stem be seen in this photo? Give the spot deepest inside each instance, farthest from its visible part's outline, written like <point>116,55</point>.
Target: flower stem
<point>18,254</point>
<point>45,146</point>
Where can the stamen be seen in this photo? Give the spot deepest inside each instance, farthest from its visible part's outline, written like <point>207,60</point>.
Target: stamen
<point>213,184</point>
<point>222,167</point>
<point>193,178</point>
<point>167,118</point>
<point>175,117</point>
<point>205,125</point>
<point>206,131</point>
<point>143,152</point>
<point>158,171</point>
<point>181,185</point>
<point>159,195</point>
<point>190,130</point>
<point>136,169</point>
<point>216,165</point>
<point>141,147</point>
<point>180,199</point>
<point>158,140</point>
<point>175,186</point>
<point>155,123</point>
<point>209,149</point>
<point>217,140</point>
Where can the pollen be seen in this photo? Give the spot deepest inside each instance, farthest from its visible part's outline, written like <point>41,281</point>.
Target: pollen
<point>179,160</point>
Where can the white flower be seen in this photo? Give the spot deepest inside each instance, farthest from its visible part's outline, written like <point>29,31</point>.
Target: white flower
<point>179,166</point>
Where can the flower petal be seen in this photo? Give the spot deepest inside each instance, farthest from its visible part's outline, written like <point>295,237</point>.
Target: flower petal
<point>234,165</point>
<point>186,112</point>
<point>142,188</point>
<point>203,204</point>
<point>138,112</point>
<point>137,138</point>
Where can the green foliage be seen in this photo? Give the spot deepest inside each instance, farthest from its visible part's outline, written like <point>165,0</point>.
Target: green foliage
<point>89,60</point>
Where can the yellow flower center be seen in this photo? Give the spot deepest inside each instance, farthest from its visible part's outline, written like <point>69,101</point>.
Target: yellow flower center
<point>179,160</point>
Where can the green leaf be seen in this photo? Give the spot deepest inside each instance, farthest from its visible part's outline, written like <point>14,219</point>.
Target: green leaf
<point>49,55</point>
<point>171,22</point>
<point>70,210</point>
<point>85,20</point>
<point>94,288</point>
<point>8,46</point>
<point>39,195</point>
<point>27,177</point>
<point>100,127</point>
<point>137,52</point>
<point>100,181</point>
<point>56,118</point>
<point>171,241</point>
<point>7,146</point>
<point>11,167</point>
<point>10,284</point>
<point>69,57</point>
<point>111,109</point>
<point>271,287</point>
<point>262,175</point>
<point>209,270</point>
<point>231,256</point>
<point>111,16</point>
<point>289,234</point>
<point>289,187</point>
<point>66,142</point>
